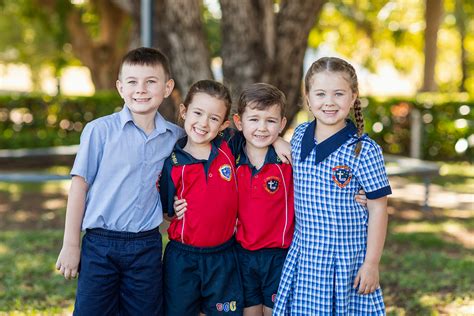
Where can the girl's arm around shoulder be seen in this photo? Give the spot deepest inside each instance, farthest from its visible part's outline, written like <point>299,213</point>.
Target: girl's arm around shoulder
<point>68,259</point>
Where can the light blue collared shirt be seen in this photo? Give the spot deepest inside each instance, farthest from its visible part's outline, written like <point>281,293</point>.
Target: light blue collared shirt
<point>121,165</point>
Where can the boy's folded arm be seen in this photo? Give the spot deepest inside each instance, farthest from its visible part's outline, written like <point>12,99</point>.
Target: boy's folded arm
<point>68,259</point>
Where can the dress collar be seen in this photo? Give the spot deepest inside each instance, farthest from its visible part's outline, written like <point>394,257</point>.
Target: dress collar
<point>328,146</point>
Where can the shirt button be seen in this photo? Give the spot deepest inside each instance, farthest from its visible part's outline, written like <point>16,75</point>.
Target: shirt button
<point>210,175</point>
<point>256,177</point>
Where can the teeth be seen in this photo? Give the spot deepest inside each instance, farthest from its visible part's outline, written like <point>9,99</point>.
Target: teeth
<point>199,131</point>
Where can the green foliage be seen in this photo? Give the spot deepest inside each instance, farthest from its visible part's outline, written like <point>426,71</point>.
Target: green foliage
<point>43,121</point>
<point>443,125</point>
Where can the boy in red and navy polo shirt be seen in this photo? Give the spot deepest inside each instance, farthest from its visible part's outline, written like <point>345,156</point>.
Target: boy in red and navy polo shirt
<point>266,216</point>
<point>200,267</point>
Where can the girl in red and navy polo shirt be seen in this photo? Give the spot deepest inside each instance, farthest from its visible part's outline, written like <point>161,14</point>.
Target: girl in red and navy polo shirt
<point>200,268</point>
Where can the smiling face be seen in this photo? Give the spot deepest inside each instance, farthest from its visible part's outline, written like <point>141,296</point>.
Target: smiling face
<point>204,118</point>
<point>330,99</point>
<point>143,87</point>
<point>260,127</point>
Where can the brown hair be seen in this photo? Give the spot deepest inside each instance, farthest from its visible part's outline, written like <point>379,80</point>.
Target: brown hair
<point>214,89</point>
<point>261,96</point>
<point>334,64</point>
<point>146,56</point>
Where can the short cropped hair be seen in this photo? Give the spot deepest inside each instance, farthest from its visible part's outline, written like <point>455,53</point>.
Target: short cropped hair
<point>261,96</point>
<point>147,56</point>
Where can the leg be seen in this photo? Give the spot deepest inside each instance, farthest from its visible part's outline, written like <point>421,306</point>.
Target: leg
<point>222,287</point>
<point>98,284</point>
<point>256,310</point>
<point>141,288</point>
<point>181,282</point>
<point>267,311</point>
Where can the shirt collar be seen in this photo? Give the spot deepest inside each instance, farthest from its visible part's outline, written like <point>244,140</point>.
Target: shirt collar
<point>328,146</point>
<point>180,157</point>
<point>126,116</point>
<point>270,158</point>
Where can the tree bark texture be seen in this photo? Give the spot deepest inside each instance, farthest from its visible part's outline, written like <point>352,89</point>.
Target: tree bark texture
<point>433,15</point>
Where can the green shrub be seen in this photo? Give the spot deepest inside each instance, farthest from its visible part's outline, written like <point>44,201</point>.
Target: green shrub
<point>28,121</point>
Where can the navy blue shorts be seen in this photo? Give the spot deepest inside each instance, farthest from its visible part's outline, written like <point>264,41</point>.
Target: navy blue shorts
<point>120,273</point>
<point>203,280</point>
<point>261,272</point>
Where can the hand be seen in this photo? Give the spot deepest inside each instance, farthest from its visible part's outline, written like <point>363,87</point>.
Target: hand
<point>180,207</point>
<point>361,198</point>
<point>367,278</point>
<point>68,261</point>
<point>283,150</point>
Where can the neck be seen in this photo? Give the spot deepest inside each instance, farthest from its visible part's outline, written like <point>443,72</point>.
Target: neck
<point>256,155</point>
<point>145,122</point>
<point>198,151</point>
<point>323,132</point>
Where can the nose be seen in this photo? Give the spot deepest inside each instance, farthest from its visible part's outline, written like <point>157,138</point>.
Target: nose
<point>141,87</point>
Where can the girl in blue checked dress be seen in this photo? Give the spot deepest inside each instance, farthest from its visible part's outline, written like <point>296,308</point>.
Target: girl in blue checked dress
<point>332,267</point>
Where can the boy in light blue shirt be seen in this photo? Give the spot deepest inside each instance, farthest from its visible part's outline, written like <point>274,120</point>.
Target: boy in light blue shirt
<point>114,199</point>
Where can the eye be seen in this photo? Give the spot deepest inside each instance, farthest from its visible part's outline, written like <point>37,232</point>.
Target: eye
<point>273,121</point>
<point>339,94</point>
<point>215,119</point>
<point>151,81</point>
<point>253,120</point>
<point>320,94</point>
<point>197,112</point>
<point>132,82</point>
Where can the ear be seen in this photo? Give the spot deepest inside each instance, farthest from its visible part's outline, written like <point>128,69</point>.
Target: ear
<point>182,111</point>
<point>169,86</point>
<point>118,85</point>
<point>283,124</point>
<point>224,125</point>
<point>237,121</point>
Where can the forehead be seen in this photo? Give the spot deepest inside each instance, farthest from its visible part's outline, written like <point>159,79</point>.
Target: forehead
<point>208,102</point>
<point>330,81</point>
<point>137,70</point>
<point>269,111</point>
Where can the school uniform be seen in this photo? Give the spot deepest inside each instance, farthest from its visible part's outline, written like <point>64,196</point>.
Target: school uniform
<point>265,225</point>
<point>200,266</point>
<point>120,162</point>
<point>330,240</point>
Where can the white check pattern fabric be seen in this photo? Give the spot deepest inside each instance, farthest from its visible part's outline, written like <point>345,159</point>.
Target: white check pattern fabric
<point>330,239</point>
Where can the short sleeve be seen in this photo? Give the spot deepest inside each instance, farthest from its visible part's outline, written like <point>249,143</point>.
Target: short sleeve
<point>89,155</point>
<point>167,188</point>
<point>371,172</point>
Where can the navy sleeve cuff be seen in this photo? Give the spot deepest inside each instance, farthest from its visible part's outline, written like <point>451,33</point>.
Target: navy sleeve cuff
<point>379,193</point>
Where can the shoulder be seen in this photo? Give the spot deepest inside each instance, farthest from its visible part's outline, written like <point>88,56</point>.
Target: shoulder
<point>102,124</point>
<point>299,133</point>
<point>173,128</point>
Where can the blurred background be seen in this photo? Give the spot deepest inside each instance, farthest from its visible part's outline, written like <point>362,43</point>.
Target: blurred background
<point>415,62</point>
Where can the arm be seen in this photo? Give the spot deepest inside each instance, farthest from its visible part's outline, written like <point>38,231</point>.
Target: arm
<point>368,275</point>
<point>283,150</point>
<point>69,257</point>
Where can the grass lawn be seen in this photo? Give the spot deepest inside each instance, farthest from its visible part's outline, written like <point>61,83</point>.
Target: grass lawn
<point>427,267</point>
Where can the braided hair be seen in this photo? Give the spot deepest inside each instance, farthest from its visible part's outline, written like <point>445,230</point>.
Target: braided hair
<point>334,64</point>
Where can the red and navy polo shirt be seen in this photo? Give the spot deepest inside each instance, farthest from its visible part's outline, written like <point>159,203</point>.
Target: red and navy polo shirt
<point>210,189</point>
<point>266,211</point>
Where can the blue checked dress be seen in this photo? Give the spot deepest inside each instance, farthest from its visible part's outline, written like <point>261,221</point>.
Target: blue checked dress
<point>330,239</point>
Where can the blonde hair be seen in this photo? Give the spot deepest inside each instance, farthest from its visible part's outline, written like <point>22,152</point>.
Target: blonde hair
<point>334,64</point>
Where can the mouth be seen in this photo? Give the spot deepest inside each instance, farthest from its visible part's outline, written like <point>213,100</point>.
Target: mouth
<point>199,131</point>
<point>260,137</point>
<point>330,112</point>
<point>141,100</point>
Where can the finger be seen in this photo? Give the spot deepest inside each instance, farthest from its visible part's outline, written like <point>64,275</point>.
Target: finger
<point>67,274</point>
<point>356,281</point>
<point>74,273</point>
<point>58,265</point>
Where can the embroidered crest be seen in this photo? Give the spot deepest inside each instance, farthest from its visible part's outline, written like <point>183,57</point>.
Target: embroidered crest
<point>226,172</point>
<point>272,184</point>
<point>342,175</point>
<point>227,306</point>
<point>174,159</point>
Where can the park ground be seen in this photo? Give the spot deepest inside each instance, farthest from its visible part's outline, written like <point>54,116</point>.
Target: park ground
<point>427,267</point>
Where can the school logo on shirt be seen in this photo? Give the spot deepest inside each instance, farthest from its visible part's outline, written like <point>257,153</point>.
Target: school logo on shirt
<point>227,306</point>
<point>158,183</point>
<point>342,175</point>
<point>272,184</point>
<point>226,172</point>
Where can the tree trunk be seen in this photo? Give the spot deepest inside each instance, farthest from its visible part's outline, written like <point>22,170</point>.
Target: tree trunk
<point>461,25</point>
<point>433,15</point>
<point>259,45</point>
